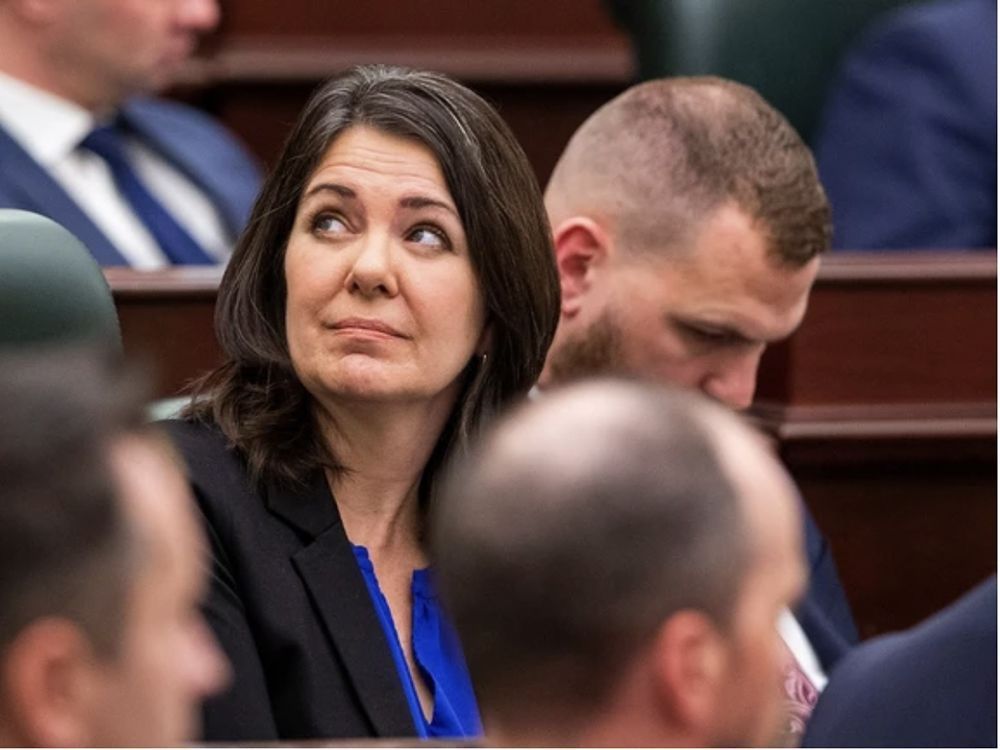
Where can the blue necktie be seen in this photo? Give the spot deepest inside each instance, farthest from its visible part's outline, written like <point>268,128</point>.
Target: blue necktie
<point>180,247</point>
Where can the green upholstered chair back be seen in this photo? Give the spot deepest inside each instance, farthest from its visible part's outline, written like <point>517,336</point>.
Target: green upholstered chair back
<point>52,291</point>
<point>787,50</point>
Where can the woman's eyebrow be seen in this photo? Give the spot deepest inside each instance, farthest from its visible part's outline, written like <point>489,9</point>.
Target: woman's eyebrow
<point>423,201</point>
<point>341,190</point>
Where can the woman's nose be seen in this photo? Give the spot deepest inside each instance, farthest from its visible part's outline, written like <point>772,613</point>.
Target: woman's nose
<point>373,272</point>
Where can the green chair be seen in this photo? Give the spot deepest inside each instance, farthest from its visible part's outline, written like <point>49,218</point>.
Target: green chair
<point>52,291</point>
<point>787,50</point>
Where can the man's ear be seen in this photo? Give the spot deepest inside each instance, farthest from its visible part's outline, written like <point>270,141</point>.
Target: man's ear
<point>582,247</point>
<point>46,684</point>
<point>690,662</point>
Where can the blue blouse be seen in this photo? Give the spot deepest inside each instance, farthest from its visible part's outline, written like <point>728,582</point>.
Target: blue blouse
<point>437,653</point>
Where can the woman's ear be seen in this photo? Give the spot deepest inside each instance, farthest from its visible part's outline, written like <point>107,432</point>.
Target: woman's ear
<point>485,344</point>
<point>582,248</point>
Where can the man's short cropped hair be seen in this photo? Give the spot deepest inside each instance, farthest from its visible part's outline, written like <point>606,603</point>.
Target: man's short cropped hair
<point>65,548</point>
<point>663,155</point>
<point>574,531</point>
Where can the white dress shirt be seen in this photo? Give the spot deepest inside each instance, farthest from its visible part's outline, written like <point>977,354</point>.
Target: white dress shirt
<point>50,129</point>
<point>798,643</point>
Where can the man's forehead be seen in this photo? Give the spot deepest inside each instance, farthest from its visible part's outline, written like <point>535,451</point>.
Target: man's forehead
<point>741,288</point>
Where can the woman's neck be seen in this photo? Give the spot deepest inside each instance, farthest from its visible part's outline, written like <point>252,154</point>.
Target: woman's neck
<point>384,450</point>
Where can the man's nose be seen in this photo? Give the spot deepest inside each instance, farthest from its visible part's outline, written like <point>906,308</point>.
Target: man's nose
<point>733,383</point>
<point>201,16</point>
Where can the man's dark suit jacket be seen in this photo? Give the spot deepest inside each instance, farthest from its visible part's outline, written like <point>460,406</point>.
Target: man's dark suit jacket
<point>289,607</point>
<point>908,148</point>
<point>824,613</point>
<point>932,686</point>
<point>186,138</point>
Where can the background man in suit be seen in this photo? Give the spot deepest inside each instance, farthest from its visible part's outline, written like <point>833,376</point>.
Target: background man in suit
<point>621,588</point>
<point>908,146</point>
<point>141,181</point>
<point>688,221</point>
<point>101,639</point>
<point>932,686</point>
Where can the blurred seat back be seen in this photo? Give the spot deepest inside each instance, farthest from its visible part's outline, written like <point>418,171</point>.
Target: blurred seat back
<point>787,50</point>
<point>52,291</point>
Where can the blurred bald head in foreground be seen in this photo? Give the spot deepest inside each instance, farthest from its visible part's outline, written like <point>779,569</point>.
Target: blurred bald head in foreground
<point>101,565</point>
<point>688,218</point>
<point>621,587</point>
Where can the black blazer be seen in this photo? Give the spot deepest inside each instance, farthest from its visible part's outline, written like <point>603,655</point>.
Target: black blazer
<point>289,607</point>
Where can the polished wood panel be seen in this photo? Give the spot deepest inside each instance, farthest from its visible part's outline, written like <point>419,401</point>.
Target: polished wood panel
<point>883,406</point>
<point>431,18</point>
<point>909,535</point>
<point>542,118</point>
<point>269,59</point>
<point>891,329</point>
<point>545,65</point>
<point>167,320</point>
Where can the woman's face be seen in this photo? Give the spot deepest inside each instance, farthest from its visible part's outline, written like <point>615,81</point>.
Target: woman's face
<point>383,304</point>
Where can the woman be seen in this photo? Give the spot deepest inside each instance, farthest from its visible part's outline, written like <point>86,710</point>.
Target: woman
<point>394,288</point>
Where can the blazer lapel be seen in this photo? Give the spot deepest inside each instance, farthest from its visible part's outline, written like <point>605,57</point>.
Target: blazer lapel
<point>330,573</point>
<point>43,195</point>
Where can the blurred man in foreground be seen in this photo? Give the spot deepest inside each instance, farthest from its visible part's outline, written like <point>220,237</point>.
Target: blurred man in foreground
<point>101,570</point>
<point>141,181</point>
<point>622,587</point>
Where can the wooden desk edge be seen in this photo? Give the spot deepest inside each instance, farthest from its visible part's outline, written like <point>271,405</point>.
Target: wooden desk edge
<point>841,266</point>
<point>837,267</point>
<point>877,422</point>
<point>168,282</point>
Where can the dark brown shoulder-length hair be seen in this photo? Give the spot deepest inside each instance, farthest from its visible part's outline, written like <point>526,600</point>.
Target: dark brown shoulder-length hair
<point>255,397</point>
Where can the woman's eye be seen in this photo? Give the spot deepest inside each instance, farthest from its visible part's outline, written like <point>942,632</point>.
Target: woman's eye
<point>329,224</point>
<point>430,237</point>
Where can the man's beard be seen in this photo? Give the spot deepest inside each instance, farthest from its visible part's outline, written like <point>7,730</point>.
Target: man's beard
<point>594,352</point>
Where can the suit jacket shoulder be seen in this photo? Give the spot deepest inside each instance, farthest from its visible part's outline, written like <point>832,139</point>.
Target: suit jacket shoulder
<point>932,686</point>
<point>289,607</point>
<point>191,141</point>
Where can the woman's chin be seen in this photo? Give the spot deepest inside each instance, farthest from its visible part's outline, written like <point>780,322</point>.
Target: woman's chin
<point>373,392</point>
<point>370,385</point>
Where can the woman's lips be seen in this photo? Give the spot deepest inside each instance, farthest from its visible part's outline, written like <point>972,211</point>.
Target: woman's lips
<point>372,325</point>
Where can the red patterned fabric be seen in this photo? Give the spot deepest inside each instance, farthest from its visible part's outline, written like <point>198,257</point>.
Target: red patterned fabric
<point>800,699</point>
